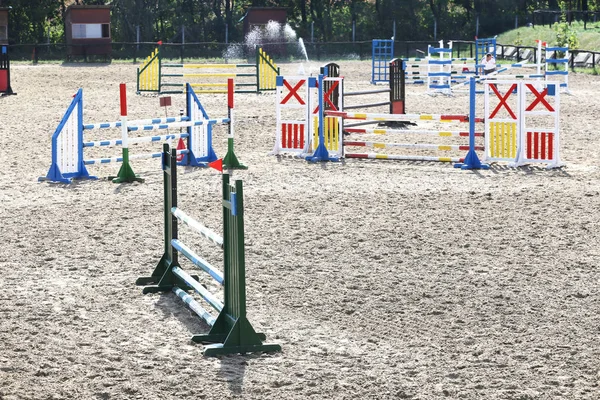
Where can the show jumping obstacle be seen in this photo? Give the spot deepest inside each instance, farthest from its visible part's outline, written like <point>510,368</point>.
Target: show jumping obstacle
<point>499,73</point>
<point>68,143</point>
<point>523,127</point>
<point>528,133</point>
<point>441,75</point>
<point>297,109</point>
<point>298,115</point>
<point>396,90</point>
<point>383,52</point>
<point>411,134</point>
<point>230,332</point>
<point>152,74</point>
<point>382,55</point>
<point>444,74</point>
<point>552,59</point>
<point>5,88</point>
<point>542,65</point>
<point>321,141</point>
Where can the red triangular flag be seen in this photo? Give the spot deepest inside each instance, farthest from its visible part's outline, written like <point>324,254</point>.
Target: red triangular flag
<point>218,164</point>
<point>180,146</point>
<point>159,42</point>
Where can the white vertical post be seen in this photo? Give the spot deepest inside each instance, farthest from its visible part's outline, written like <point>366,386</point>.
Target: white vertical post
<point>568,57</point>
<point>137,36</point>
<point>448,68</point>
<point>556,149</point>
<point>539,57</point>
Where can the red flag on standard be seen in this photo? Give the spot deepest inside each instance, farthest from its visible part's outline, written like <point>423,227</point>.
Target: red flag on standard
<point>217,164</point>
<point>180,146</point>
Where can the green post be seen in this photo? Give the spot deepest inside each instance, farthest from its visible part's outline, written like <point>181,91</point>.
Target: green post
<point>159,70</point>
<point>257,70</point>
<point>232,332</point>
<point>138,81</point>
<point>162,275</point>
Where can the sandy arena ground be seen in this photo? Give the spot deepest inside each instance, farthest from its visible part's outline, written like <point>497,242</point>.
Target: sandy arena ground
<point>380,279</point>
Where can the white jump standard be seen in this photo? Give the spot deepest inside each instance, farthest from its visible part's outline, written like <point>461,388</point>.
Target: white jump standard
<point>68,143</point>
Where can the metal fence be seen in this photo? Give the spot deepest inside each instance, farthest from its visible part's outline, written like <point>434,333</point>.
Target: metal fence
<point>281,52</point>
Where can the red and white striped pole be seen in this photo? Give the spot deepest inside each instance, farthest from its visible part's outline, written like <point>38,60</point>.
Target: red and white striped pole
<point>125,174</point>
<point>230,161</point>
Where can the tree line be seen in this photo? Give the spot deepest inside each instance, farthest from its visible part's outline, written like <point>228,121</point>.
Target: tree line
<point>42,21</point>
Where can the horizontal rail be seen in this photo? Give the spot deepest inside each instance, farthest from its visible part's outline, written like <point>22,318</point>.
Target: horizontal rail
<point>376,156</point>
<point>131,157</point>
<point>117,124</point>
<point>366,92</point>
<point>198,227</point>
<point>377,131</point>
<point>194,306</point>
<point>427,146</point>
<point>208,74</point>
<point>146,139</point>
<point>201,290</point>
<point>208,65</point>
<point>198,261</point>
<point>366,105</point>
<point>156,127</point>
<point>401,117</point>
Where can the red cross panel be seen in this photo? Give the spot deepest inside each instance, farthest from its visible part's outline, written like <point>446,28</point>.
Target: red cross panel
<point>327,96</point>
<point>503,102</point>
<point>540,98</point>
<point>293,92</point>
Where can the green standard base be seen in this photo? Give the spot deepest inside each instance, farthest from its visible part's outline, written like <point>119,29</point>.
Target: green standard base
<point>162,279</point>
<point>230,161</point>
<point>237,339</point>
<point>126,175</point>
<point>217,349</point>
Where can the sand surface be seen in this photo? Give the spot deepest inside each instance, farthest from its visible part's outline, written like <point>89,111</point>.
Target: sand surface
<point>380,279</point>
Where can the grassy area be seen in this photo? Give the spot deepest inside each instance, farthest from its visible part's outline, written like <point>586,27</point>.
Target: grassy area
<point>589,39</point>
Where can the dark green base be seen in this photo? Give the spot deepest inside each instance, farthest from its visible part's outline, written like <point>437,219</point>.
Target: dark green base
<point>162,288</point>
<point>219,338</point>
<point>162,279</point>
<point>230,161</point>
<point>228,336</point>
<point>126,175</point>
<point>237,339</point>
<point>217,349</point>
